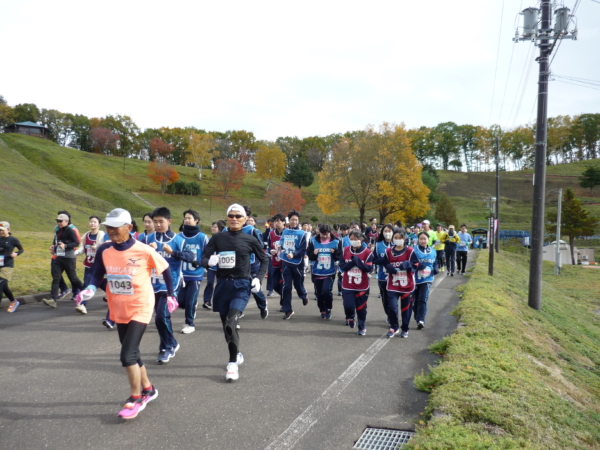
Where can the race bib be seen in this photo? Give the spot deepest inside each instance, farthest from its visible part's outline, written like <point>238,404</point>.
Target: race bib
<point>227,260</point>
<point>1,260</point>
<point>425,272</point>
<point>354,275</point>
<point>400,278</point>
<point>463,243</point>
<point>60,251</point>
<point>289,245</point>
<point>324,261</point>
<point>120,284</point>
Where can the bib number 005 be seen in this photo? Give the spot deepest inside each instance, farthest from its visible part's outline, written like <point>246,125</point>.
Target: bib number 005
<point>227,260</point>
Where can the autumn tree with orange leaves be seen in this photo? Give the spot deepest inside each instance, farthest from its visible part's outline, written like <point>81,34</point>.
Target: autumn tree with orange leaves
<point>374,170</point>
<point>162,174</point>
<point>283,198</point>
<point>230,174</point>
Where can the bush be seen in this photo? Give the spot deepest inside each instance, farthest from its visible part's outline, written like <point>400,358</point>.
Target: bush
<point>184,188</point>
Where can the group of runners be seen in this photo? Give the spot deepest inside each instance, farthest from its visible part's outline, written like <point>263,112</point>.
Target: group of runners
<point>159,270</point>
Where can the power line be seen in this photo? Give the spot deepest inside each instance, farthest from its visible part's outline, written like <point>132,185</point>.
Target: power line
<point>520,83</point>
<point>497,57</point>
<point>580,85</point>
<point>524,88</point>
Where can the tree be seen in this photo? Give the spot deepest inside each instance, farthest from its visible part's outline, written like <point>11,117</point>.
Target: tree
<point>26,112</point>
<point>422,144</point>
<point>586,127</point>
<point>200,150</point>
<point>445,211</point>
<point>270,162</point>
<point>7,115</point>
<point>374,170</point>
<point>466,135</point>
<point>103,140</point>
<point>590,178</point>
<point>59,125</point>
<point>430,179</point>
<point>575,221</point>
<point>299,174</point>
<point>162,174</point>
<point>283,198</point>
<point>159,150</point>
<point>79,137</point>
<point>125,127</point>
<point>447,145</point>
<point>230,174</point>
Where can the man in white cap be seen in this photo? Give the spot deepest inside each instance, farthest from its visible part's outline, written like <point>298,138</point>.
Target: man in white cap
<point>128,265</point>
<point>427,229</point>
<point>230,250</point>
<point>63,247</point>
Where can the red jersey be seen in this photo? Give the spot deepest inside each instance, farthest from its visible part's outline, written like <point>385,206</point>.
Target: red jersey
<point>402,281</point>
<point>273,239</point>
<point>356,279</point>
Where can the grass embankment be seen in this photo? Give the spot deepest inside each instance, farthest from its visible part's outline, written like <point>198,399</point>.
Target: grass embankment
<point>467,190</point>
<point>513,377</point>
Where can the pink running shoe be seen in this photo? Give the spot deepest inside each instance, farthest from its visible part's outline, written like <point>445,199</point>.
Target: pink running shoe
<point>148,396</point>
<point>131,408</point>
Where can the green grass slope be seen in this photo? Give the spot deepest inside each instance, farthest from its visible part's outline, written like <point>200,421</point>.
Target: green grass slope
<point>513,377</point>
<point>468,190</point>
<point>49,176</point>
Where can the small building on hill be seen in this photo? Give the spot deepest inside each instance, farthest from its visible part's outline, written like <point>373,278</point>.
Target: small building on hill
<point>28,128</point>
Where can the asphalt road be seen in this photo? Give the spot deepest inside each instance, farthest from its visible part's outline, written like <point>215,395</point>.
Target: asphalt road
<point>306,383</point>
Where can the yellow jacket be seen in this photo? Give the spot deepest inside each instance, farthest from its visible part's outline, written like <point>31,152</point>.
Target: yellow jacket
<point>444,236</point>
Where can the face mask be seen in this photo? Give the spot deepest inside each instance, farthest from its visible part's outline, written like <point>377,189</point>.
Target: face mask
<point>355,243</point>
<point>388,235</point>
<point>399,242</point>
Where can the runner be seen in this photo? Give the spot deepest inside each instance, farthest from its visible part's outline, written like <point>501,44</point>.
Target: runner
<point>462,250</point>
<point>148,228</point>
<point>426,270</point>
<point>259,296</point>
<point>231,251</point>
<point>63,289</point>
<point>172,247</point>
<point>384,241</point>
<point>273,247</point>
<point>268,227</point>
<point>216,227</point>
<point>63,248</point>
<point>427,229</point>
<point>128,265</point>
<point>8,244</point>
<point>450,249</point>
<point>193,272</point>
<point>324,251</point>
<point>372,234</point>
<point>356,264</point>
<point>90,242</point>
<point>438,244</point>
<point>400,262</point>
<point>294,249</point>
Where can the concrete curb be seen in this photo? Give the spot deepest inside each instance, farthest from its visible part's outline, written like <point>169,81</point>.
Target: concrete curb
<point>37,298</point>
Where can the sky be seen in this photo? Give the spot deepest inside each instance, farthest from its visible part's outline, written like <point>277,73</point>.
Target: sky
<point>280,68</point>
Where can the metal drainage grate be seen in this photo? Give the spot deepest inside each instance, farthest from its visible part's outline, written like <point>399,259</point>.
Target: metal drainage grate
<point>382,439</point>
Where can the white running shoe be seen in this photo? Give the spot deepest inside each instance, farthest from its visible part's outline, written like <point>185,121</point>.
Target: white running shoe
<point>240,359</point>
<point>232,372</point>
<point>188,329</point>
<point>81,309</point>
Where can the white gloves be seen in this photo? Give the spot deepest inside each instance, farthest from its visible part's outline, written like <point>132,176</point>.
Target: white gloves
<point>213,260</point>
<point>172,303</point>
<point>255,285</point>
<point>86,294</point>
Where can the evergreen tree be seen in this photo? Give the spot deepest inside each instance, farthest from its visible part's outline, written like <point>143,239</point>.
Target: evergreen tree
<point>299,174</point>
<point>590,178</point>
<point>445,211</point>
<point>575,221</point>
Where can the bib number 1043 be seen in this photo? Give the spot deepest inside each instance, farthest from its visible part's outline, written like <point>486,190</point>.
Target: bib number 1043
<point>120,284</point>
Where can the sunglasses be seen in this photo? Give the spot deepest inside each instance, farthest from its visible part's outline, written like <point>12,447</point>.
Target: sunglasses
<point>234,216</point>
<point>59,221</point>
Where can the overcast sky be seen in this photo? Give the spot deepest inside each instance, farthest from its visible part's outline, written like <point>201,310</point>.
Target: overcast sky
<point>281,68</point>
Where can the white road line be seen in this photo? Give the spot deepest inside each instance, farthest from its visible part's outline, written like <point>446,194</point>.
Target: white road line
<point>311,415</point>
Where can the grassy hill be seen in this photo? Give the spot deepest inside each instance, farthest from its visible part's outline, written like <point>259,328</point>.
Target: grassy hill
<point>42,177</point>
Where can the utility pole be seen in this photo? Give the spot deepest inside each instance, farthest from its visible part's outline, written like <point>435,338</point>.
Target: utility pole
<point>497,196</point>
<point>557,246</point>
<point>491,237</point>
<point>547,38</point>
